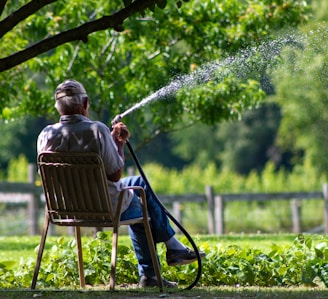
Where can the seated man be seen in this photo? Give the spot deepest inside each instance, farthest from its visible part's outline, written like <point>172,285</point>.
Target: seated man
<point>77,133</point>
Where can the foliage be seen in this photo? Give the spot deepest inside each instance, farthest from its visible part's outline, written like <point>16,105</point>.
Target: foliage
<point>98,261</point>
<point>19,138</point>
<point>19,14</point>
<point>123,68</point>
<point>302,262</point>
<point>275,215</point>
<point>218,53</point>
<point>302,94</point>
<point>242,146</point>
<point>59,264</point>
<point>17,170</point>
<point>239,216</point>
<point>194,178</point>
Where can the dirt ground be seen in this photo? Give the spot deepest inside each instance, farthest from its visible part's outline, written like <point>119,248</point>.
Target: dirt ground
<point>196,293</point>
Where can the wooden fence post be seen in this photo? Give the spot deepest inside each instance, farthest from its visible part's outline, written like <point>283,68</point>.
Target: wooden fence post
<point>325,210</point>
<point>219,215</point>
<point>296,206</point>
<point>211,213</point>
<point>33,206</point>
<point>177,213</point>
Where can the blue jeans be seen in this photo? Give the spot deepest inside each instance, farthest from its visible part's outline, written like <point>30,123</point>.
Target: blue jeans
<point>160,226</point>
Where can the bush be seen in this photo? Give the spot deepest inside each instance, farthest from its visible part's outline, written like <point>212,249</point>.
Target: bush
<point>302,262</point>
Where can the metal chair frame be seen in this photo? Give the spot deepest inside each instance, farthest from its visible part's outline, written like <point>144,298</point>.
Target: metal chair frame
<point>76,193</point>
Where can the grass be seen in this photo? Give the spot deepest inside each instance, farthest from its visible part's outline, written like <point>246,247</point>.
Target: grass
<point>17,248</point>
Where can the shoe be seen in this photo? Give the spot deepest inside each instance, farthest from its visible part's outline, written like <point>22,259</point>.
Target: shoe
<point>146,282</point>
<point>181,257</point>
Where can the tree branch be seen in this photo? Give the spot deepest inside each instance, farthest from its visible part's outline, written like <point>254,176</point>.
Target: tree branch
<point>21,14</point>
<point>114,21</point>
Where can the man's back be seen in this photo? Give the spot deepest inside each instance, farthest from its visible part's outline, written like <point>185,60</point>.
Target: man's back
<point>73,133</point>
<point>77,133</point>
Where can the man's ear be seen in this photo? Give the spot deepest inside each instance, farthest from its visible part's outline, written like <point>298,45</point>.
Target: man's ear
<point>85,107</point>
<point>86,103</point>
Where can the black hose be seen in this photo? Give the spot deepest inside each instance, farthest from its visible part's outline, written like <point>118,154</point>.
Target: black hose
<point>199,272</point>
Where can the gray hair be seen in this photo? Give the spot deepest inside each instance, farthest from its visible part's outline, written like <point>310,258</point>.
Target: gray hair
<point>69,95</point>
<point>70,102</point>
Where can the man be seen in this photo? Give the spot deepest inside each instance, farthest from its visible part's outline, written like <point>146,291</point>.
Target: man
<point>77,133</point>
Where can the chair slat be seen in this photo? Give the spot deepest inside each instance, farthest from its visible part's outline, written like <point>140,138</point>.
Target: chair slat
<point>49,188</point>
<point>99,176</point>
<point>53,185</point>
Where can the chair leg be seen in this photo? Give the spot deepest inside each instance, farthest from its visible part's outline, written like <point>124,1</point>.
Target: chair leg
<point>113,258</point>
<point>154,258</point>
<point>79,255</point>
<point>150,240</point>
<point>40,252</point>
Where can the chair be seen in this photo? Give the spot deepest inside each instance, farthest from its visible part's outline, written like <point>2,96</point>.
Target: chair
<point>76,193</point>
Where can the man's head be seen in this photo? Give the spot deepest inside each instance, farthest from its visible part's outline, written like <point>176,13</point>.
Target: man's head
<point>71,98</point>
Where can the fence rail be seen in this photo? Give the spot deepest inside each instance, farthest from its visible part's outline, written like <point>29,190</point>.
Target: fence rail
<point>215,203</point>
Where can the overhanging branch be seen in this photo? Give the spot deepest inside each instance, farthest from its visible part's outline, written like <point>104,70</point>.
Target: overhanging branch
<point>114,21</point>
<point>21,14</point>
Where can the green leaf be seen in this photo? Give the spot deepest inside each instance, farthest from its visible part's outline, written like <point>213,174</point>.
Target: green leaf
<point>7,265</point>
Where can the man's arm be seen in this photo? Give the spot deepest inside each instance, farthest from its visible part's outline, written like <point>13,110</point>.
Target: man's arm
<point>115,177</point>
<point>120,134</point>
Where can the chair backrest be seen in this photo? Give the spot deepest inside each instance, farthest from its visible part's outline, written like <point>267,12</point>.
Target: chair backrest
<point>75,188</point>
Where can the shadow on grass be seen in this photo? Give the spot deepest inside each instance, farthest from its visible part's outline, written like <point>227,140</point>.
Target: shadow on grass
<point>213,292</point>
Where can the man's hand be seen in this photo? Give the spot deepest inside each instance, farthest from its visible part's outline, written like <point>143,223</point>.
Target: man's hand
<point>120,132</point>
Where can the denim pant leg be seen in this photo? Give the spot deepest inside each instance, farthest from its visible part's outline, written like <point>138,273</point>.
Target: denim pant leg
<point>139,239</point>
<point>161,228</point>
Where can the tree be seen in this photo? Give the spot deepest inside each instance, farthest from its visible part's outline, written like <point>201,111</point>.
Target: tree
<point>145,56</point>
<point>301,85</point>
<point>79,32</point>
<point>193,44</point>
<point>238,146</point>
<point>30,29</point>
<point>19,137</point>
<point>302,94</point>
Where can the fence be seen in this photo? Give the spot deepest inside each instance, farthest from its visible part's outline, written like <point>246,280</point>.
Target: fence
<point>215,203</point>
<point>24,194</point>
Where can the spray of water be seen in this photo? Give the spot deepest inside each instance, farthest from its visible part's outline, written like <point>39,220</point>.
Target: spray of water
<point>166,91</point>
<point>251,62</point>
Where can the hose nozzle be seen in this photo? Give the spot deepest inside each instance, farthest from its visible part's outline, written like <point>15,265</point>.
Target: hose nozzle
<point>117,119</point>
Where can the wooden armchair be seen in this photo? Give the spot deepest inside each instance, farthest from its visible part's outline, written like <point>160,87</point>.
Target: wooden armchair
<point>76,194</point>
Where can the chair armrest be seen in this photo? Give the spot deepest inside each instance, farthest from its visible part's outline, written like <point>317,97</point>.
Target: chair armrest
<point>142,198</point>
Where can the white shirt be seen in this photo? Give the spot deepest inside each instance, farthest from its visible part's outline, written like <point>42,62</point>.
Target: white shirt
<point>77,133</point>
